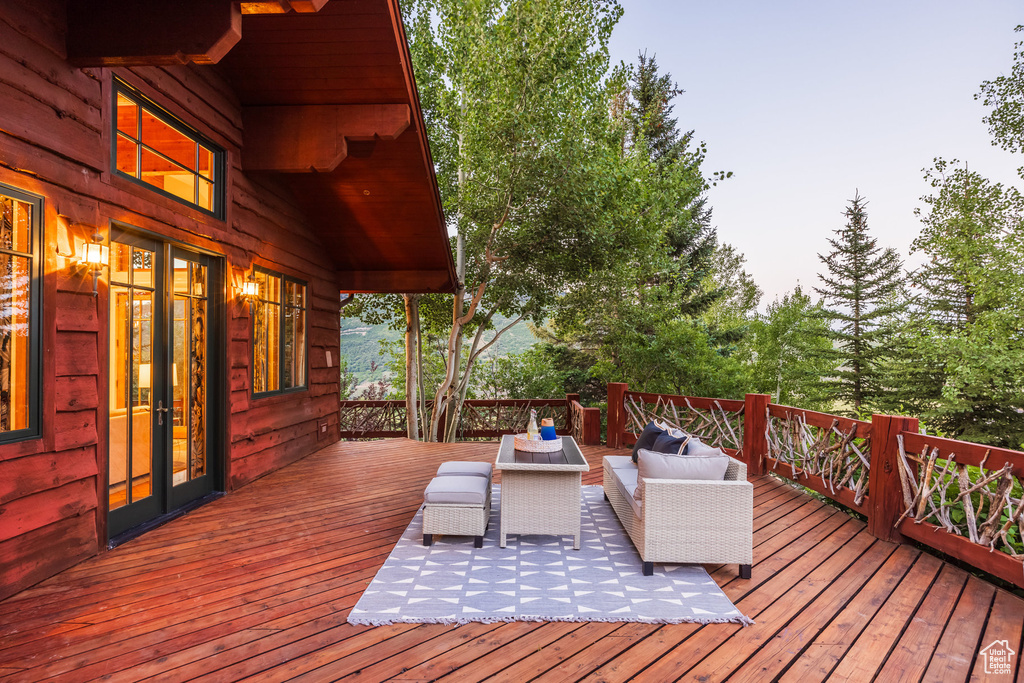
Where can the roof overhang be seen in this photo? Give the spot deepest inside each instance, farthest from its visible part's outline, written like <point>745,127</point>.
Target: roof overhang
<point>329,107</point>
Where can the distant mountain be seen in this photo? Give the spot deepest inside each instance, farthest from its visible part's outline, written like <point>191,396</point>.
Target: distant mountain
<point>361,345</point>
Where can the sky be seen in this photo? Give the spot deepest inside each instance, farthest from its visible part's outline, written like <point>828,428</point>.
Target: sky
<point>809,102</point>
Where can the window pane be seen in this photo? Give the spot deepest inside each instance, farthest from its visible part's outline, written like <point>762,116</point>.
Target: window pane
<point>299,360</point>
<point>198,279</point>
<point>14,342</point>
<point>170,177</point>
<point>142,268</point>
<point>205,165</point>
<point>197,388</point>
<point>289,347</point>
<point>168,140</point>
<point>205,198</point>
<point>15,225</point>
<point>120,263</point>
<point>141,374</point>
<point>127,116</point>
<point>127,156</point>
<point>120,323</point>
<point>180,270</point>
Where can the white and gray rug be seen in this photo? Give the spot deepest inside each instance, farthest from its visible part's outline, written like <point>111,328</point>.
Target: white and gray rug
<point>537,578</point>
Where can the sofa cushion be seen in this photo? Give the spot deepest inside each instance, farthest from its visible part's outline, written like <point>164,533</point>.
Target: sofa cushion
<point>673,442</point>
<point>455,468</point>
<point>698,447</point>
<point>457,489</point>
<point>619,461</point>
<point>626,483</point>
<point>653,465</point>
<point>647,437</point>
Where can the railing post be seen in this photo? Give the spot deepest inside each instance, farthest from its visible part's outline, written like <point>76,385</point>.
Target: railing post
<point>569,398</point>
<point>616,413</point>
<point>885,492</point>
<point>591,427</point>
<point>755,426</point>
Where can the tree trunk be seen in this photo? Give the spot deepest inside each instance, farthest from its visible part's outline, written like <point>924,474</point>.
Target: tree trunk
<point>412,379</point>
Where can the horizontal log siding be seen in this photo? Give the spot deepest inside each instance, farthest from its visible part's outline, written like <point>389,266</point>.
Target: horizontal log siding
<point>55,142</point>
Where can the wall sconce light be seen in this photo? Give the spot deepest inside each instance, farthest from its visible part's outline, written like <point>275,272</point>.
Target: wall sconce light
<point>250,289</point>
<point>95,255</point>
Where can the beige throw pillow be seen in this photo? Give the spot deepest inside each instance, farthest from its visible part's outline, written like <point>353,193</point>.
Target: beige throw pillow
<point>654,465</point>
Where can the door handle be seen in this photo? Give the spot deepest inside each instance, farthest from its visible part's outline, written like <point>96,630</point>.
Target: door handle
<point>160,413</point>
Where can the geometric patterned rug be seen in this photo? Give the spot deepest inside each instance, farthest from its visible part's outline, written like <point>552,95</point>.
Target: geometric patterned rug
<point>537,578</point>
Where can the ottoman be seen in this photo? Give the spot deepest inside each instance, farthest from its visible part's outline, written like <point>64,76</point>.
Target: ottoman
<point>458,505</point>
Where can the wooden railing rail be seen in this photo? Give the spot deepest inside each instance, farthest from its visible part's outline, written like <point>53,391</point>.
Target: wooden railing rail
<point>717,421</point>
<point>481,418</point>
<point>586,422</point>
<point>827,453</point>
<point>964,499</point>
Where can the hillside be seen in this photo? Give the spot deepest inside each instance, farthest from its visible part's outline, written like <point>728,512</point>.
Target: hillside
<point>361,345</point>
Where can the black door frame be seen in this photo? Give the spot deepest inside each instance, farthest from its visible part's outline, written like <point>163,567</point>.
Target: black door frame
<point>130,521</point>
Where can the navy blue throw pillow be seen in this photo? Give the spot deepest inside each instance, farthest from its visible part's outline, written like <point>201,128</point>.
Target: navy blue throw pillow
<point>647,438</point>
<point>666,443</point>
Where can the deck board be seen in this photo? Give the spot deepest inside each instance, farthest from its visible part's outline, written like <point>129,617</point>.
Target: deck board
<point>258,584</point>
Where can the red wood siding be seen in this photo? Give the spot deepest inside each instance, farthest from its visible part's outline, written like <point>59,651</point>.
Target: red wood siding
<point>55,142</point>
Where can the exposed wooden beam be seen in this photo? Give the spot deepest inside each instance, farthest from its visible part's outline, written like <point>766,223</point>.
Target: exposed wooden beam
<point>395,281</point>
<point>297,139</point>
<point>282,6</point>
<point>151,32</point>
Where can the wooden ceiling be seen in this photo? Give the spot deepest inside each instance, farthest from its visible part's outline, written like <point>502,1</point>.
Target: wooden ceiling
<point>378,209</point>
<point>330,107</point>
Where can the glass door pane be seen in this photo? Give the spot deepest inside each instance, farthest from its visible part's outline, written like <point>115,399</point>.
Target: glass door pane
<point>189,370</point>
<point>133,353</point>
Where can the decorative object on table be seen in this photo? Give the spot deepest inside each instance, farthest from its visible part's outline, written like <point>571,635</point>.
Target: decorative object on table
<point>547,429</point>
<point>523,443</point>
<point>538,578</point>
<point>531,428</point>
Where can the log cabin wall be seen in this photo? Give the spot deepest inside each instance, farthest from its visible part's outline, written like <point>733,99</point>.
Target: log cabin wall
<point>55,141</point>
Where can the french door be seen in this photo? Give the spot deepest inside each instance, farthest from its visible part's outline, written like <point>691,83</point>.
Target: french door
<point>162,365</point>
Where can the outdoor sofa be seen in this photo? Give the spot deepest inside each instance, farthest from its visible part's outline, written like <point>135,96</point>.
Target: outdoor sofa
<point>684,521</point>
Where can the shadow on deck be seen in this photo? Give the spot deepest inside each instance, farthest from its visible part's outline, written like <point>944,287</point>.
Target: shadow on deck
<point>260,582</point>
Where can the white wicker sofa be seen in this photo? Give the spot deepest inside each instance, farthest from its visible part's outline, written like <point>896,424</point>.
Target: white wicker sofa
<point>684,521</point>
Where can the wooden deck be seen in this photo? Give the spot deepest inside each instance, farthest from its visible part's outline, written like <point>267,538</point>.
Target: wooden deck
<point>259,584</point>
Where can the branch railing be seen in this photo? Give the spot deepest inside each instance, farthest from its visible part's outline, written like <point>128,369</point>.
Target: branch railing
<point>965,499</point>
<point>480,419</point>
<point>826,453</point>
<point>718,422</point>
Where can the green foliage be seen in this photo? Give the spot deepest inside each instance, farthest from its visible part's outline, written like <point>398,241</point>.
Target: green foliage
<point>858,295</point>
<point>791,353</point>
<point>962,362</point>
<point>1005,95</point>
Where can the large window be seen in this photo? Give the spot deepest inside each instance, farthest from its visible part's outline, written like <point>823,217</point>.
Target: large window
<point>20,226</point>
<point>154,148</point>
<point>279,333</point>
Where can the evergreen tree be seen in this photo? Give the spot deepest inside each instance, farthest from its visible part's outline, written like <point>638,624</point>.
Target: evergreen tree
<point>690,241</point>
<point>857,293</point>
<point>790,344</point>
<point>963,361</point>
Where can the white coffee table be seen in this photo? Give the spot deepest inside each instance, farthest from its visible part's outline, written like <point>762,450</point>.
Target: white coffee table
<point>540,492</point>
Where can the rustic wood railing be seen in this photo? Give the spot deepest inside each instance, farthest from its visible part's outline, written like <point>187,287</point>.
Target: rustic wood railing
<point>481,419</point>
<point>586,422</point>
<point>719,422</point>
<point>827,453</point>
<point>964,499</point>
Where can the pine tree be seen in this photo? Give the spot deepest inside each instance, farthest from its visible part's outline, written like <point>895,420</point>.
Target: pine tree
<point>858,299</point>
<point>963,350</point>
<point>690,239</point>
